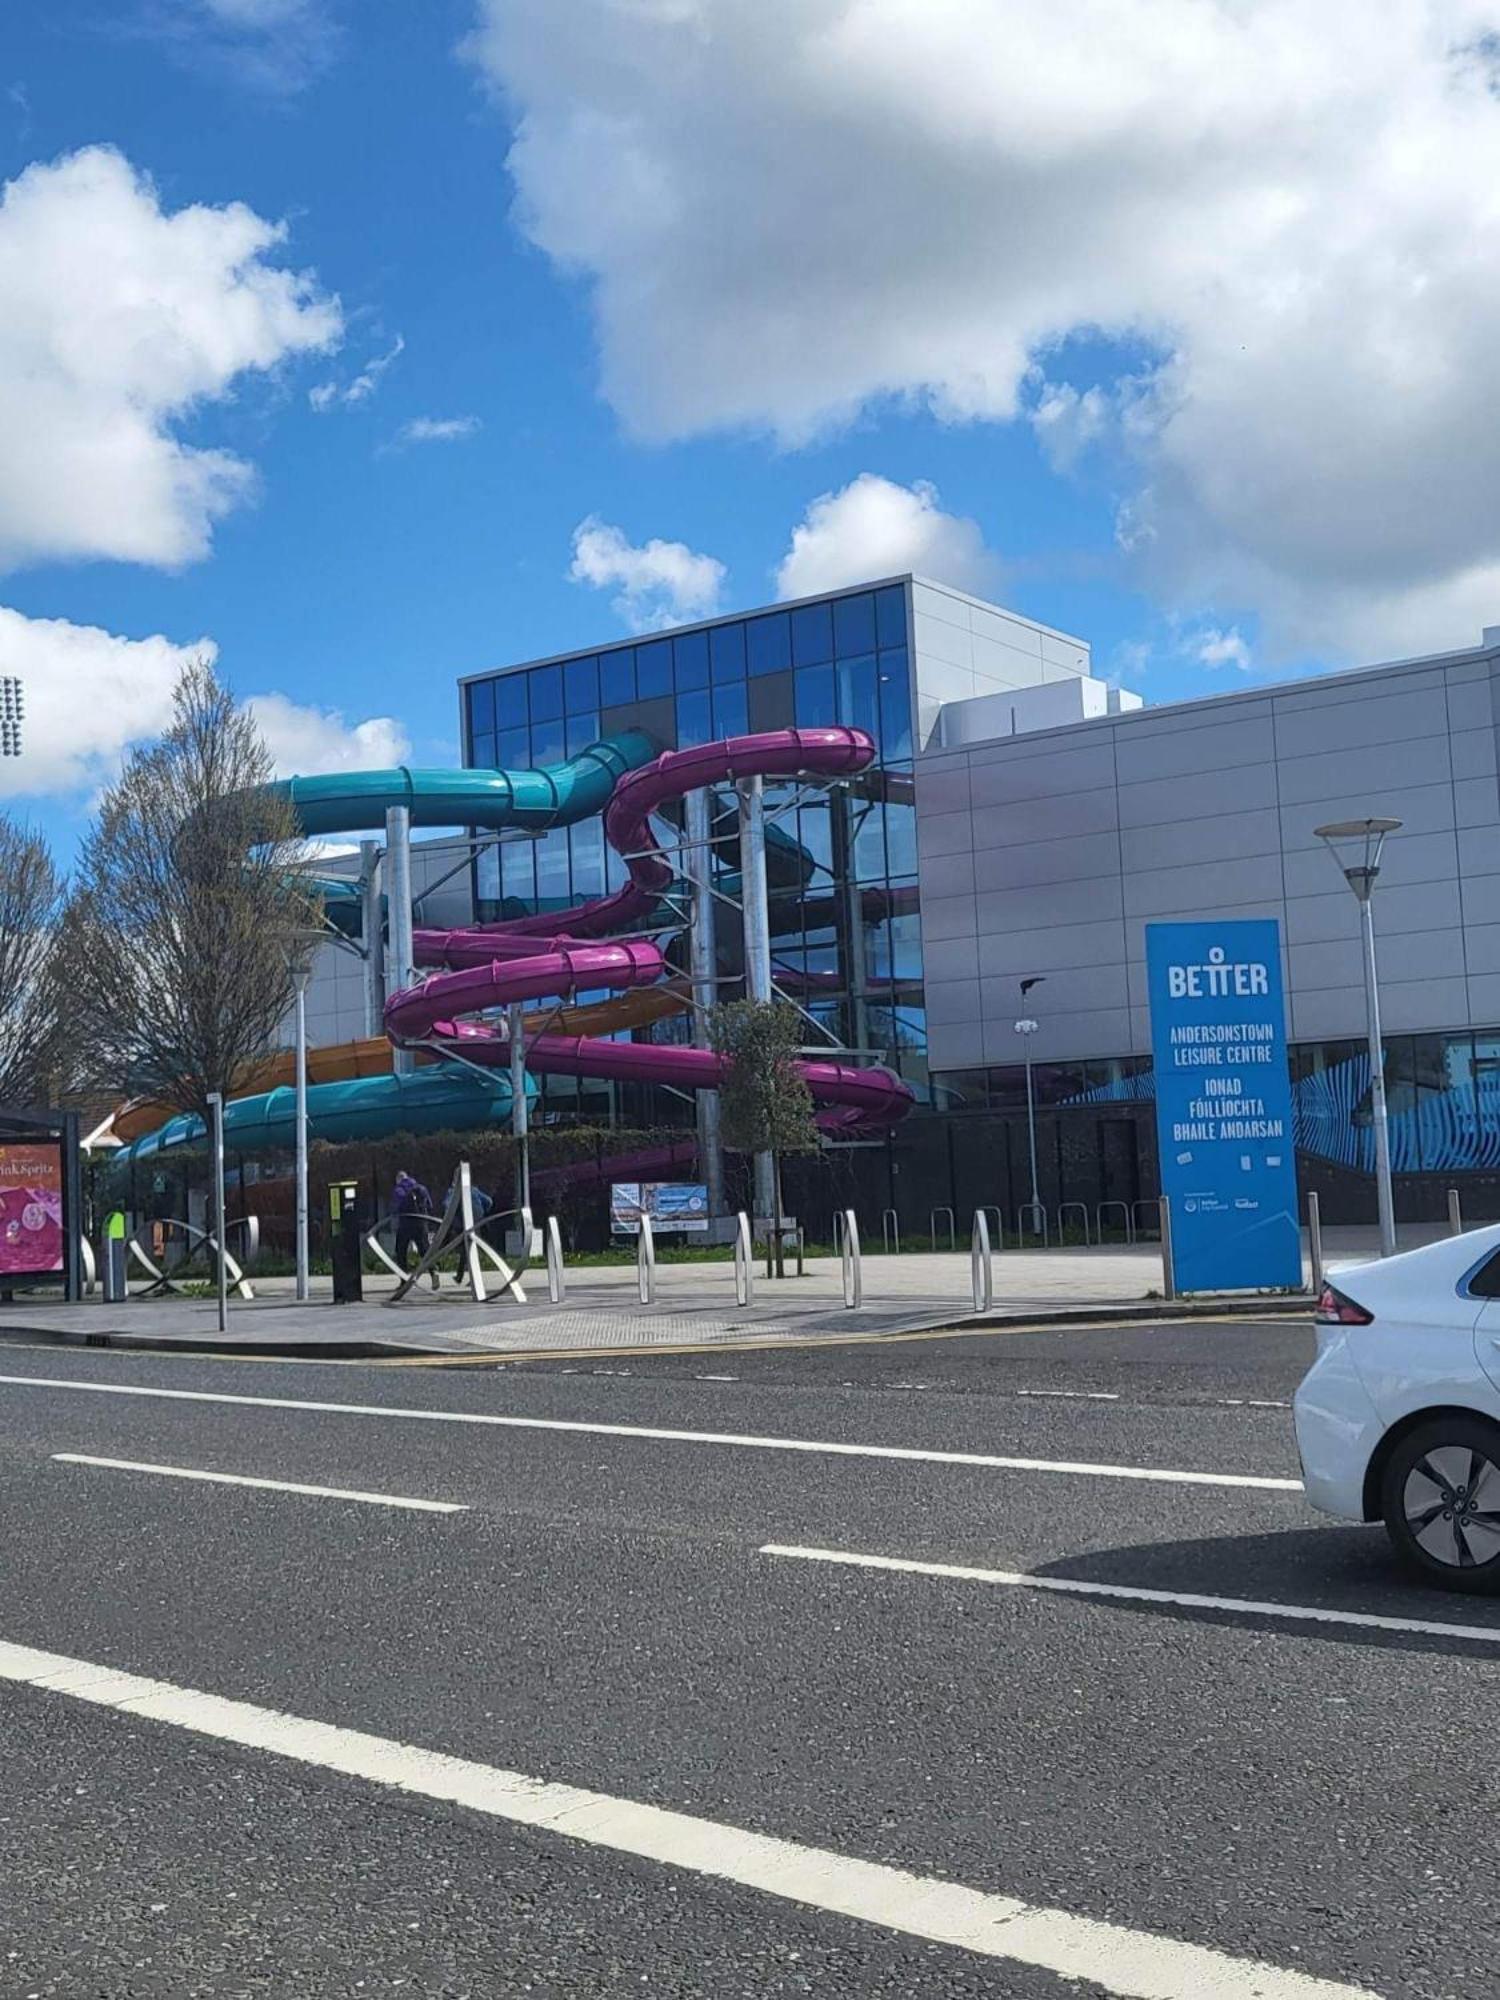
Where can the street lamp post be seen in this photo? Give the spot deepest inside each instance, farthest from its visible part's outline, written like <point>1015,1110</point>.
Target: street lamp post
<point>1026,1027</point>
<point>1356,845</point>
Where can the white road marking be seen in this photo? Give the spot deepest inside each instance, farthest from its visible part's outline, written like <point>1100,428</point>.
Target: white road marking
<point>270,1485</point>
<point>1075,1395</point>
<point>1136,1965</point>
<point>1138,1594</point>
<point>833,1447</point>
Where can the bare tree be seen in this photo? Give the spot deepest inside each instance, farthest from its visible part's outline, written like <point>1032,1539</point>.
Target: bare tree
<point>187,918</point>
<point>33,1033</point>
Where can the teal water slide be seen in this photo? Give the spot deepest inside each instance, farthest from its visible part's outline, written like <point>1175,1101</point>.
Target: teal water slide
<point>440,1096</point>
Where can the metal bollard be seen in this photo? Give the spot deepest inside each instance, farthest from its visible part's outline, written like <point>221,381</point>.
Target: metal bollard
<point>1315,1241</point>
<point>645,1263</point>
<point>1455,1214</point>
<point>853,1283</point>
<point>981,1271</point>
<point>557,1283</point>
<point>1168,1270</point>
<point>744,1261</point>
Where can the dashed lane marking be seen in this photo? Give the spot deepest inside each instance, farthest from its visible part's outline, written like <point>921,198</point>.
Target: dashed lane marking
<point>269,1485</point>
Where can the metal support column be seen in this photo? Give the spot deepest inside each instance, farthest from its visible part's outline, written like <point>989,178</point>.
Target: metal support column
<point>373,927</point>
<point>757,915</point>
<point>698,826</point>
<point>401,972</point>
<point>216,1118</point>
<point>300,1139</point>
<point>1378,1119</point>
<point>519,1126</point>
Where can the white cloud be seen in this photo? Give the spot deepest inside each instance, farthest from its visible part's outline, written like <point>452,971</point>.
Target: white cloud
<point>660,583</point>
<point>1279,216</point>
<point>1212,647</point>
<point>307,740</point>
<point>437,430</point>
<point>349,395</point>
<point>872,527</point>
<point>120,322</point>
<point>276,45</point>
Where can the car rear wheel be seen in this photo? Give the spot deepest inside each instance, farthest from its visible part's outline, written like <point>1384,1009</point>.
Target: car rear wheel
<point>1441,1501</point>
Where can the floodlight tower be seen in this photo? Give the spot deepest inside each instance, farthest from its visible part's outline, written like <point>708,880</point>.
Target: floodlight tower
<point>12,713</point>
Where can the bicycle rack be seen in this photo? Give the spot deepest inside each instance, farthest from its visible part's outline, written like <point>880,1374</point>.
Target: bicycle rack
<point>744,1261</point>
<point>457,1230</point>
<point>849,1258</point>
<point>838,1230</point>
<point>1124,1208</point>
<point>890,1231</point>
<point>1037,1225</point>
<point>1063,1209</point>
<point>88,1267</point>
<point>645,1263</point>
<point>196,1239</point>
<point>557,1282</point>
<point>981,1272</point>
<point>943,1209</point>
<point>1153,1216</point>
<point>997,1237</point>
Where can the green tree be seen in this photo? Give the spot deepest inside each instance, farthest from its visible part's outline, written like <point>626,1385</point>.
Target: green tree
<point>34,1044</point>
<point>765,1104</point>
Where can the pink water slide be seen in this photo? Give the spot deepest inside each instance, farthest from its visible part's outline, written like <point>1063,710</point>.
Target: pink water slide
<point>556,955</point>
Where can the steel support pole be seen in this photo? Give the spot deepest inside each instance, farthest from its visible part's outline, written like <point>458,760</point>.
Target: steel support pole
<point>519,1125</point>
<point>216,1116</point>
<point>401,971</point>
<point>1036,1201</point>
<point>300,1135</point>
<point>755,900</point>
<point>1383,1191</point>
<point>704,962</point>
<point>373,927</point>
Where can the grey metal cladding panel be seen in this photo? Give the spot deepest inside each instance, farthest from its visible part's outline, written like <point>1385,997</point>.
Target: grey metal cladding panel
<point>939,640</point>
<point>1331,689</point>
<point>1352,725</point>
<point>1029,863</point>
<point>1411,955</point>
<point>1084,989</point>
<point>1481,899</point>
<point>952,1000</point>
<point>942,784</point>
<point>1474,754</point>
<point>946,875</point>
<point>1469,705</point>
<point>1061,818</point>
<point>1201,840</point>
<point>1061,1037</point>
<point>1163,892</point>
<point>1371,770</point>
<point>960,1046</point>
<point>1241,710</point>
<point>1484,1000</point>
<point>1181,752</point>
<point>1476,801</point>
<point>1055,948</point>
<point>1018,769</point>
<point>1482,949</point>
<point>1330,962</point>
<point>1328,1014</point>
<point>1408,857</point>
<point>944,833</point>
<point>1054,903</point>
<point>1420,808</point>
<point>1200,795</point>
<point>950,958</point>
<point>1400,911</point>
<point>947,917</point>
<point>1210,912</point>
<point>1411,1006</point>
<point>1479,850</point>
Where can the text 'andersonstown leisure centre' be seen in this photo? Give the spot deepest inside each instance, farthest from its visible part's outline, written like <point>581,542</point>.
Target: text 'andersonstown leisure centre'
<point>1025,822</point>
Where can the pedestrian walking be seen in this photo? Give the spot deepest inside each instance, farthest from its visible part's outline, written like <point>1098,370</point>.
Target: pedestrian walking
<point>411,1204</point>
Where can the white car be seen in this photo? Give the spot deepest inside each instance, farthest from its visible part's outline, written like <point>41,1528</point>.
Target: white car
<point>1398,1419</point>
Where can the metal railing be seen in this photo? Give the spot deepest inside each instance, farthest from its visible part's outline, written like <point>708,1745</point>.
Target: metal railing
<point>744,1261</point>
<point>1064,1209</point>
<point>942,1209</point>
<point>645,1263</point>
<point>1106,1208</point>
<point>1152,1207</point>
<point>1037,1226</point>
<point>557,1281</point>
<point>890,1230</point>
<point>981,1270</point>
<point>849,1261</point>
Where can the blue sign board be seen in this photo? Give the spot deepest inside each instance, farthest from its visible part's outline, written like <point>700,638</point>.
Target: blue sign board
<point>1224,1104</point>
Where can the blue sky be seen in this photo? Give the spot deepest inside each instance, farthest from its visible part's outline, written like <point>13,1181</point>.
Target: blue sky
<point>368,571</point>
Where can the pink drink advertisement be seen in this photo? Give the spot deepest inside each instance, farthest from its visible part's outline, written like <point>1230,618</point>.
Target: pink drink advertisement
<point>31,1220</point>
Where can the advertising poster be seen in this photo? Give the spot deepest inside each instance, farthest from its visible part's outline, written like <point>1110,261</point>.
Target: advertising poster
<point>31,1208</point>
<point>670,1205</point>
<point>1224,1104</point>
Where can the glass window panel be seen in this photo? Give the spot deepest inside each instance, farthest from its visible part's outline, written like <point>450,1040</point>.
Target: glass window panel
<point>854,624</point>
<point>731,710</point>
<point>586,840</point>
<point>582,731</point>
<point>487,874</point>
<point>653,668</point>
<point>617,677</point>
<point>546,693</point>
<point>615,873</point>
<point>858,701</point>
<point>770,703</point>
<point>547,742</point>
<point>901,837</point>
<point>581,685</point>
<point>726,651</point>
<point>552,867</point>
<point>510,702</point>
<point>483,754</point>
<point>890,616</point>
<point>482,708</point>
<point>694,720</point>
<point>690,659</point>
<point>869,844</point>
<point>518,868</point>
<point>816,835</point>
<point>768,644</point>
<point>905,947</point>
<point>895,706</point>
<point>812,635</point>
<point>1008,1088</point>
<point>513,749</point>
<point>815,699</point>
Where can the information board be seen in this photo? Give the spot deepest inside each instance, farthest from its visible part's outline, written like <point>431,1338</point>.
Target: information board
<point>1224,1104</point>
<point>670,1205</point>
<point>31,1208</point>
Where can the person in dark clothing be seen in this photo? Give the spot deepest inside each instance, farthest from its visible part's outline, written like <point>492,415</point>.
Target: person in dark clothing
<point>481,1204</point>
<point>411,1204</point>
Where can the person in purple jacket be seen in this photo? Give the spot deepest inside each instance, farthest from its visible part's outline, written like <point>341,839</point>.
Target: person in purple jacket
<point>411,1204</point>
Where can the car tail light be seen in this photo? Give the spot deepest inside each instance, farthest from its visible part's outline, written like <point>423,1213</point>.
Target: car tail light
<point>1333,1309</point>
